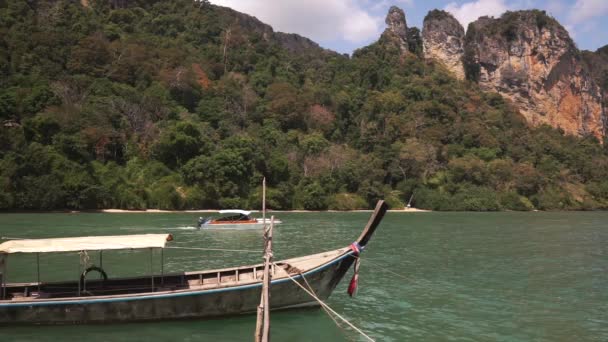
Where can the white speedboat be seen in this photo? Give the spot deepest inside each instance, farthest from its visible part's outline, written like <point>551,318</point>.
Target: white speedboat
<point>233,219</point>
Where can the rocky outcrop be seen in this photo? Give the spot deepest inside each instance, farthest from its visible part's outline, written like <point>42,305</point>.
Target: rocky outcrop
<point>443,41</point>
<point>292,42</point>
<point>414,41</point>
<point>297,44</point>
<point>529,58</point>
<point>597,64</point>
<point>396,32</point>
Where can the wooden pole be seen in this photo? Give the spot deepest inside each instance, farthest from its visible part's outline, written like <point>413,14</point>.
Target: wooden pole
<point>260,316</point>
<point>262,331</point>
<point>266,285</point>
<point>259,321</point>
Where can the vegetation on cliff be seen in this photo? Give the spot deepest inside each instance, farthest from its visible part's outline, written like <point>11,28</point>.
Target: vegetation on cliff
<point>179,105</point>
<point>597,64</point>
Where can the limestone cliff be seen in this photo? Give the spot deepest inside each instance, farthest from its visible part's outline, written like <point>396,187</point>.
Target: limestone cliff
<point>443,41</point>
<point>290,41</point>
<point>396,32</point>
<point>529,58</point>
<point>597,64</point>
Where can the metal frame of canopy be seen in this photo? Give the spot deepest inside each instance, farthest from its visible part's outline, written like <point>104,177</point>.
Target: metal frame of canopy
<point>3,260</point>
<point>80,245</point>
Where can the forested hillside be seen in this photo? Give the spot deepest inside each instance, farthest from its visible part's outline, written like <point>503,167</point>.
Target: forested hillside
<point>181,105</point>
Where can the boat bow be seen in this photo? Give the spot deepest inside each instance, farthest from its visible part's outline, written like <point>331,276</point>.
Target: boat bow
<point>372,224</point>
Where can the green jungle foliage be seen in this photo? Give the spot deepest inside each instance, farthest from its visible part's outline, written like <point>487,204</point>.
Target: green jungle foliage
<point>179,105</point>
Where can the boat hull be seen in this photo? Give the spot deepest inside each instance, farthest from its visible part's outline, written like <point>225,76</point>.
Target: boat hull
<point>189,304</point>
<point>218,226</point>
<point>254,224</point>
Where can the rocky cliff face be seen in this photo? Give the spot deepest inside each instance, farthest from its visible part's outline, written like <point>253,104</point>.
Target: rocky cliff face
<point>443,40</point>
<point>527,57</point>
<point>396,32</point>
<point>597,64</point>
<point>294,43</point>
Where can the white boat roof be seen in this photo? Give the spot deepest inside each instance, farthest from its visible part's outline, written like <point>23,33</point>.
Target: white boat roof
<point>87,243</point>
<point>235,211</point>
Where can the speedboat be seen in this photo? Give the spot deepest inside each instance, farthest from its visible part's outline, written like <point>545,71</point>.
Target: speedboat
<point>233,219</point>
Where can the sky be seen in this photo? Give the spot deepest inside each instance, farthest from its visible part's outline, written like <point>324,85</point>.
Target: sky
<point>346,25</point>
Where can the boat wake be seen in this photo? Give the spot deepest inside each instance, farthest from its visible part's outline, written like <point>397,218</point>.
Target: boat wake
<point>160,228</point>
<point>183,228</point>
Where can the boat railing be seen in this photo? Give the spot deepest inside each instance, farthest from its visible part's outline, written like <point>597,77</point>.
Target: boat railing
<point>118,286</point>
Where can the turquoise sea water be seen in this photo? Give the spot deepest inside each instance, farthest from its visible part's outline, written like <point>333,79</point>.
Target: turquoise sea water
<point>460,276</point>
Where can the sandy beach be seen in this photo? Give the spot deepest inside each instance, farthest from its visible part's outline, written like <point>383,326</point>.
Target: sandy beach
<point>156,211</point>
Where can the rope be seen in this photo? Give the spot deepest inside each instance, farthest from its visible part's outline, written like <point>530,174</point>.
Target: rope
<point>417,282</point>
<point>84,258</point>
<point>216,249</point>
<point>328,308</point>
<point>383,268</point>
<point>333,318</point>
<point>313,291</point>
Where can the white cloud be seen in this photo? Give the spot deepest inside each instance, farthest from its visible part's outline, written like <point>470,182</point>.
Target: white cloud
<point>320,20</point>
<point>571,31</point>
<point>406,2</point>
<point>584,10</point>
<point>555,7</point>
<point>384,5</point>
<point>377,5</point>
<point>470,11</point>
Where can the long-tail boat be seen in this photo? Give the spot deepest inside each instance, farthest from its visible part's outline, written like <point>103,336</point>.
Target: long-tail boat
<point>199,294</point>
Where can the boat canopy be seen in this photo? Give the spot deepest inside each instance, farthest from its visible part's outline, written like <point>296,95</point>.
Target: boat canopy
<point>87,243</point>
<point>235,211</point>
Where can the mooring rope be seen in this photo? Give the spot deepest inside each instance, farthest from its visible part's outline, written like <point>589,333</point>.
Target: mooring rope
<point>333,318</point>
<point>313,291</point>
<point>84,258</point>
<point>418,282</point>
<point>216,249</point>
<point>328,307</point>
<point>383,268</point>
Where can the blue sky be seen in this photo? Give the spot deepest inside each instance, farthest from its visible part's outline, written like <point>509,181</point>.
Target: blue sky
<point>345,25</point>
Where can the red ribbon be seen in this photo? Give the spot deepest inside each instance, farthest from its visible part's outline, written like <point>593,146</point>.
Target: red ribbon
<point>352,287</point>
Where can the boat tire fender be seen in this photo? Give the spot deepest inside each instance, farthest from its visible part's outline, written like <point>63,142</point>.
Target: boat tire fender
<point>93,268</point>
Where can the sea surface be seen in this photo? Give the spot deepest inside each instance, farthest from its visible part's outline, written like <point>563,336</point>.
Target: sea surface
<point>424,276</point>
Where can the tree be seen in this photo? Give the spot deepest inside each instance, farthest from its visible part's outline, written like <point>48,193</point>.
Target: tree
<point>91,56</point>
<point>226,174</point>
<point>41,129</point>
<point>178,143</point>
<point>415,158</point>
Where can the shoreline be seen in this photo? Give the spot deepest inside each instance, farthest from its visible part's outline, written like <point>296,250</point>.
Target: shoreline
<point>206,211</point>
<point>157,211</point>
<point>160,211</point>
